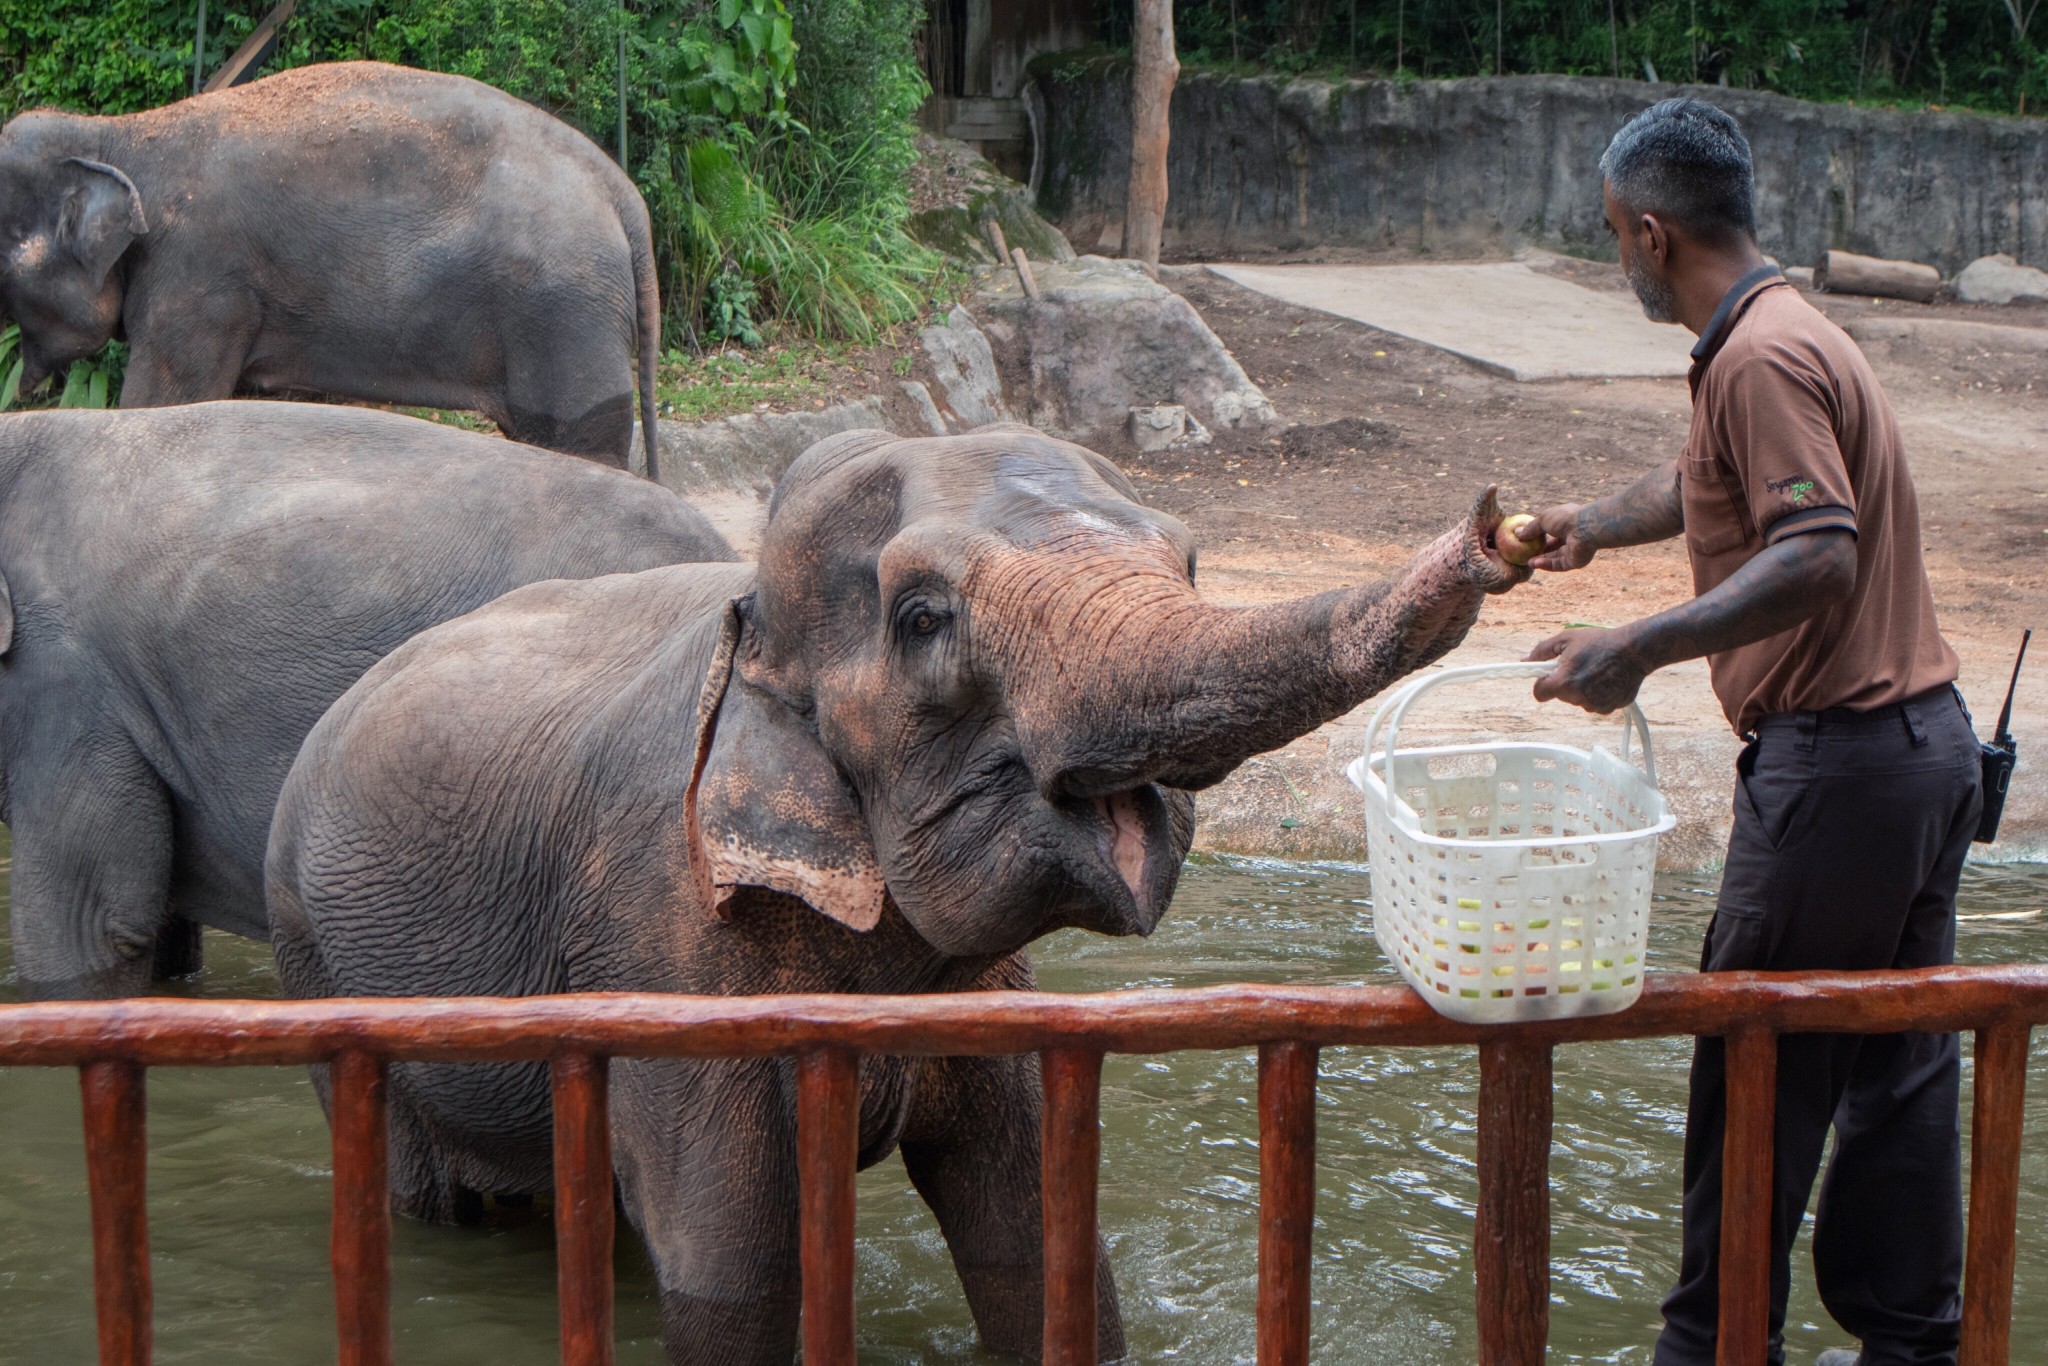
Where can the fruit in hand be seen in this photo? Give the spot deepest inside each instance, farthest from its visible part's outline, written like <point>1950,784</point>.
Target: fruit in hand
<point>1508,538</point>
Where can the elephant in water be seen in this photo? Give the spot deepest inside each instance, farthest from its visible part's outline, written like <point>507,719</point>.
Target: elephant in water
<point>183,592</point>
<point>962,702</point>
<point>355,229</point>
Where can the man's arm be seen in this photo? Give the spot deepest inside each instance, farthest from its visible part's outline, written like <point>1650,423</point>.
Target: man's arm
<point>1797,578</point>
<point>1647,510</point>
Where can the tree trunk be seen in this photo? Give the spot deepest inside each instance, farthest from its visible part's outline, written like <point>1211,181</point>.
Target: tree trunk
<point>1842,272</point>
<point>1151,93</point>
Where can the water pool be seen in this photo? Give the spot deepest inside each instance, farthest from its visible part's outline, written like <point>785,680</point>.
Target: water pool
<point>239,1179</point>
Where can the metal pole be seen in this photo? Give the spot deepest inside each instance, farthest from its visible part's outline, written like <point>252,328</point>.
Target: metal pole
<point>622,86</point>
<point>1613,39</point>
<point>198,46</point>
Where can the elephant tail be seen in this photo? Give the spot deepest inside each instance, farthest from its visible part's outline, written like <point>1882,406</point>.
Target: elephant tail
<point>647,289</point>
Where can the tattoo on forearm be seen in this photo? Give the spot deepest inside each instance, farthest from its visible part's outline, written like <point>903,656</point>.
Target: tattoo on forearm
<point>1648,510</point>
<point>1775,591</point>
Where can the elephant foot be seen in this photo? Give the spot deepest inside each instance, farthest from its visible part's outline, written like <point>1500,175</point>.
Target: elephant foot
<point>1009,1311</point>
<point>700,1332</point>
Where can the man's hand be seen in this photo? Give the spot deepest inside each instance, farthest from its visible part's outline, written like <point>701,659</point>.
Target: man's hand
<point>1648,510</point>
<point>1596,669</point>
<point>1564,547</point>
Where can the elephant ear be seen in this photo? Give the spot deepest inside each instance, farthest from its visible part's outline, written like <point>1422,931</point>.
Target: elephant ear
<point>101,215</point>
<point>766,806</point>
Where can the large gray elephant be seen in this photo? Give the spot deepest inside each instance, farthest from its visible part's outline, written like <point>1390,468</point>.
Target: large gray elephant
<point>183,592</point>
<point>355,229</point>
<point>963,702</point>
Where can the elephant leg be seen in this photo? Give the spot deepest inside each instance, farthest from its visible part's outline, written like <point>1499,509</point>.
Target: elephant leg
<point>422,1186</point>
<point>972,1151</point>
<point>200,356</point>
<point>571,397</point>
<point>602,432</point>
<point>92,860</point>
<point>706,1158</point>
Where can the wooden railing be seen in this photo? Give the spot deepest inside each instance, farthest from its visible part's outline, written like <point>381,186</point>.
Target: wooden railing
<point>113,1042</point>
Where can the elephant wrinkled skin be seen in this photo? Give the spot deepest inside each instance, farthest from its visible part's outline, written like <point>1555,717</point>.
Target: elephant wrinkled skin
<point>184,591</point>
<point>963,701</point>
<point>354,229</point>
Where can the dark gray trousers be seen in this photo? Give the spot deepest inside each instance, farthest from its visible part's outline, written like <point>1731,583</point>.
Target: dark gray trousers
<point>1850,832</point>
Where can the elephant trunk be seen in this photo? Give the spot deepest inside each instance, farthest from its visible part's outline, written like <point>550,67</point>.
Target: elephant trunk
<point>1183,691</point>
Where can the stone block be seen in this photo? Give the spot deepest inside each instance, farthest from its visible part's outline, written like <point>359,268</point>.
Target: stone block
<point>2000,280</point>
<point>1157,427</point>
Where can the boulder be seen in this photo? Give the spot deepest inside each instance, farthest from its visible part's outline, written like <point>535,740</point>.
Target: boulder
<point>1104,338</point>
<point>955,192</point>
<point>751,450</point>
<point>2000,280</point>
<point>965,368</point>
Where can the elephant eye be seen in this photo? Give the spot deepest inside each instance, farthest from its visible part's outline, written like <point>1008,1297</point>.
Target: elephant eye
<point>922,620</point>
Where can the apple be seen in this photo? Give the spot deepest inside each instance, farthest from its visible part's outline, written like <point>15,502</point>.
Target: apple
<point>1509,541</point>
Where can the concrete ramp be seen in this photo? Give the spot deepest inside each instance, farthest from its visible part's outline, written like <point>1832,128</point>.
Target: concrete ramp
<point>1503,317</point>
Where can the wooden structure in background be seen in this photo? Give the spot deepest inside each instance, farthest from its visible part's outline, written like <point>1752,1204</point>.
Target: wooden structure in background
<point>249,58</point>
<point>974,54</point>
<point>112,1042</point>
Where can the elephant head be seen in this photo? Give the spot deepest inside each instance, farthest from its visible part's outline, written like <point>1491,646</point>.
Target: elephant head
<point>65,221</point>
<point>975,677</point>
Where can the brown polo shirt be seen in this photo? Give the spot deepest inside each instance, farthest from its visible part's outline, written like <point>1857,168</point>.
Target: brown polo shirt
<point>1791,434</point>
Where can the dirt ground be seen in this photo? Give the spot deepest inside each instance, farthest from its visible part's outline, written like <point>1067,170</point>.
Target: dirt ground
<point>1383,442</point>
<point>1387,440</point>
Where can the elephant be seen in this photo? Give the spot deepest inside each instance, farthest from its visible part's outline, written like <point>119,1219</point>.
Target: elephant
<point>184,591</point>
<point>352,229</point>
<point>962,700</point>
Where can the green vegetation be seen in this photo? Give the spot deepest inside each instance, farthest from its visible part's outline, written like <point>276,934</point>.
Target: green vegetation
<point>779,376</point>
<point>1981,54</point>
<point>93,383</point>
<point>770,137</point>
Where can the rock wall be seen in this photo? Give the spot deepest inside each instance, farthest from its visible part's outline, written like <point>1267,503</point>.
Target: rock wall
<point>1485,165</point>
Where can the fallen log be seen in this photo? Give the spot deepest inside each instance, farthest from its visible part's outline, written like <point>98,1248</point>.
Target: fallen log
<point>1843,272</point>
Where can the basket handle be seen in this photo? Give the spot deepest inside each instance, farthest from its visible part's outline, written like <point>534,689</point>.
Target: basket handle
<point>1395,709</point>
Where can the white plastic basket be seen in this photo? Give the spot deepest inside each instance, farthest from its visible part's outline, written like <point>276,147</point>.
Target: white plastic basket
<point>1510,881</point>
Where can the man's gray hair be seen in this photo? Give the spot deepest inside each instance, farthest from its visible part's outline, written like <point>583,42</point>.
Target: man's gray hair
<point>1686,162</point>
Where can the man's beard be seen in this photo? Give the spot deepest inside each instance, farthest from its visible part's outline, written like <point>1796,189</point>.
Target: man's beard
<point>1657,297</point>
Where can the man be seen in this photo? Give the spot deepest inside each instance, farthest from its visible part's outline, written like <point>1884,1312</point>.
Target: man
<point>1858,791</point>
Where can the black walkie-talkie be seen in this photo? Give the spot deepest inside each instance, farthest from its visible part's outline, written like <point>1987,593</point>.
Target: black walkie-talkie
<point>2000,753</point>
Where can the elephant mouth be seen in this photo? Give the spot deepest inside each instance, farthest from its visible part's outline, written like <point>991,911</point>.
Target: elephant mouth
<point>1132,838</point>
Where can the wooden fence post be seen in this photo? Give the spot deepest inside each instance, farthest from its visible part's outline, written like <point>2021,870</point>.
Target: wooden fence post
<point>1511,1253</point>
<point>116,1162</point>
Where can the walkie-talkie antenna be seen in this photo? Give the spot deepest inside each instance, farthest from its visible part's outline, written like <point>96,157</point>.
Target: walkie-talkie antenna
<point>2005,714</point>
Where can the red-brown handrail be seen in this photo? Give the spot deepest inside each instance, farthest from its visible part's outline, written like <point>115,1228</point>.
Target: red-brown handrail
<point>113,1042</point>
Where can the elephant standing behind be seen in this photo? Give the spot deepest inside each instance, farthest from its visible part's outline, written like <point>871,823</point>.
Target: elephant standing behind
<point>355,229</point>
<point>184,591</point>
<point>963,702</point>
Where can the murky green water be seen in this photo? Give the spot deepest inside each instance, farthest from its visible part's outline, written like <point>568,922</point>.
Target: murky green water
<point>239,1180</point>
